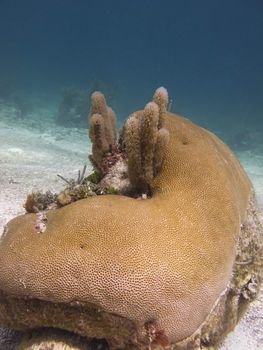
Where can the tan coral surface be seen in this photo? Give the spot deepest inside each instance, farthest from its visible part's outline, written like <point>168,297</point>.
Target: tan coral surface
<point>165,260</point>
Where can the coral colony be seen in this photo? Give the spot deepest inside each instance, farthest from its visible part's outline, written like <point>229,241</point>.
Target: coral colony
<point>125,166</point>
<point>160,247</point>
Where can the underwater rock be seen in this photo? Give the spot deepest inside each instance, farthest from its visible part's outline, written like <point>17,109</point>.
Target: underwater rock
<point>56,339</point>
<point>175,270</point>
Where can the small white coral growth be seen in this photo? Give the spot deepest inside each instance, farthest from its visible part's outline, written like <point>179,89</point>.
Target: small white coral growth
<point>41,222</point>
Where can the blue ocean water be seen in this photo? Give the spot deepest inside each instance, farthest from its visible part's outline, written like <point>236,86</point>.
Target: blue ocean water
<point>208,54</point>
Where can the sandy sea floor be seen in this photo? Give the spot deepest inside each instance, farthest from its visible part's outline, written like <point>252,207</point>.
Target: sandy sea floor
<point>32,153</point>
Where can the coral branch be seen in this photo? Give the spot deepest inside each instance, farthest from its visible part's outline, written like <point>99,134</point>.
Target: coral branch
<point>97,136</point>
<point>145,142</point>
<point>102,130</point>
<point>99,106</point>
<point>133,149</point>
<point>161,98</point>
<point>149,124</point>
<point>162,141</point>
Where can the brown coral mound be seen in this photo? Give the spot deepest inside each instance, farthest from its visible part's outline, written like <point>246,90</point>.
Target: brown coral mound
<point>137,272</point>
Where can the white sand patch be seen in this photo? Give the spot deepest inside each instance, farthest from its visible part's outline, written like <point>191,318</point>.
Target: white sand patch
<point>30,160</point>
<point>253,163</point>
<point>248,334</point>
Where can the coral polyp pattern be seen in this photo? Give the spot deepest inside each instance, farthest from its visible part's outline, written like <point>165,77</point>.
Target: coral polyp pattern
<point>169,261</point>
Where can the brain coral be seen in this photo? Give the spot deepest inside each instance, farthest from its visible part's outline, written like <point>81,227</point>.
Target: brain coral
<point>169,270</point>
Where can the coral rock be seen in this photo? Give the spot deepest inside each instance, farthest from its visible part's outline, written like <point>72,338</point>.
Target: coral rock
<point>148,272</point>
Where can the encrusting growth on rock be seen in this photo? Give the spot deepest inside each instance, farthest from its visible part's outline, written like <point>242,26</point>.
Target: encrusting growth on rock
<point>38,201</point>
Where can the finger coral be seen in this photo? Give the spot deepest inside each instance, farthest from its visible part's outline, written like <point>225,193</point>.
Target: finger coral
<point>142,146</point>
<point>172,271</point>
<point>102,129</point>
<point>160,97</point>
<point>145,145</point>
